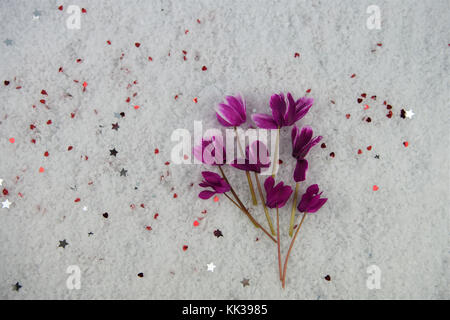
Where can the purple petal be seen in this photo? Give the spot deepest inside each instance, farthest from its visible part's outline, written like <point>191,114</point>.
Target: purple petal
<point>268,184</point>
<point>230,114</point>
<point>313,189</point>
<point>278,106</point>
<point>290,114</point>
<point>316,205</point>
<point>300,170</point>
<point>264,121</point>
<point>206,194</point>
<point>211,177</point>
<point>303,106</point>
<point>238,104</point>
<point>222,121</point>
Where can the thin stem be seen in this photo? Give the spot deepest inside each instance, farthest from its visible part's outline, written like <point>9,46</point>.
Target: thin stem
<point>249,179</point>
<point>232,201</point>
<point>294,204</point>
<point>275,156</point>
<point>278,244</point>
<point>290,248</point>
<point>261,195</point>
<point>244,209</point>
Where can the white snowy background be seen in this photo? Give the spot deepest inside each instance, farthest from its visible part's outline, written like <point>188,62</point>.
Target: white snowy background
<point>247,47</point>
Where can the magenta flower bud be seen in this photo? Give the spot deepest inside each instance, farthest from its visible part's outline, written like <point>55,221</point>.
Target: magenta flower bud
<point>214,181</point>
<point>302,142</point>
<point>276,196</point>
<point>311,201</point>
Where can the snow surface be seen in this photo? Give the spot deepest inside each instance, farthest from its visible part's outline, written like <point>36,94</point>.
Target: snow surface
<point>247,47</point>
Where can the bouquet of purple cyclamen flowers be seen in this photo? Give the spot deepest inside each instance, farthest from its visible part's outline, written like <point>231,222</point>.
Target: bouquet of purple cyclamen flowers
<point>285,112</point>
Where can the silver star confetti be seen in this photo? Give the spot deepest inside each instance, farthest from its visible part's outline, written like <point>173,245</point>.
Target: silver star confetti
<point>409,114</point>
<point>6,204</point>
<point>211,267</point>
<point>36,14</point>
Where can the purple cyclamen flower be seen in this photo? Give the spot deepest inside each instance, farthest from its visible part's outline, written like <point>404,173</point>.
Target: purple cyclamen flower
<point>302,142</point>
<point>233,113</point>
<point>211,151</point>
<point>276,197</point>
<point>283,116</point>
<point>256,158</point>
<point>214,181</point>
<point>311,201</point>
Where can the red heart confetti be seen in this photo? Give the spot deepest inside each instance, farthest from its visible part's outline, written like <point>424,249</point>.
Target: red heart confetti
<point>216,198</point>
<point>406,143</point>
<point>375,187</point>
<point>137,44</point>
<point>12,140</point>
<point>204,68</point>
<point>185,247</point>
<point>196,223</point>
<point>195,100</point>
<point>296,55</point>
<point>41,170</point>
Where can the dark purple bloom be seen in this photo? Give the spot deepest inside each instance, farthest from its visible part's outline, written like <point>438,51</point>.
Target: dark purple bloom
<point>256,158</point>
<point>276,197</point>
<point>233,113</point>
<point>302,142</point>
<point>214,181</point>
<point>282,115</point>
<point>311,201</point>
<point>212,151</point>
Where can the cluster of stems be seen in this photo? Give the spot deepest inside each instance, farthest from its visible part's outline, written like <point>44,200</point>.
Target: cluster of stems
<point>238,203</point>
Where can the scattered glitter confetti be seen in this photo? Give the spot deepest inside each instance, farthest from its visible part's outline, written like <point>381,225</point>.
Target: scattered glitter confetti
<point>85,208</point>
<point>245,282</point>
<point>1,182</point>
<point>409,114</point>
<point>211,267</point>
<point>8,42</point>
<point>63,244</point>
<point>217,233</point>
<point>6,204</point>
